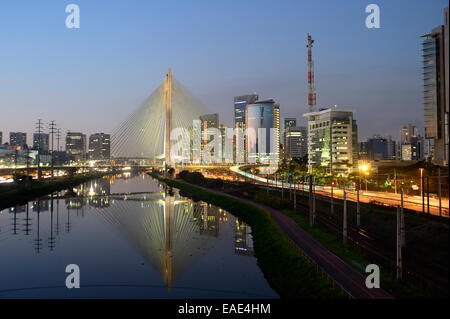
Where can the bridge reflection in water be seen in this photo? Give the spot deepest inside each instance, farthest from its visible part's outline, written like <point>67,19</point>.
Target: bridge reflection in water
<point>169,231</point>
<point>165,229</point>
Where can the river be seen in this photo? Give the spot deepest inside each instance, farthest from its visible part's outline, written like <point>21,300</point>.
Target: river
<point>130,238</point>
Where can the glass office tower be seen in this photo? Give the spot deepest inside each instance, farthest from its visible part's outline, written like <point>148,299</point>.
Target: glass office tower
<point>262,145</point>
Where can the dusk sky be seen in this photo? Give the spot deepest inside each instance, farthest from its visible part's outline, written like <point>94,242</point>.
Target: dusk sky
<point>90,79</point>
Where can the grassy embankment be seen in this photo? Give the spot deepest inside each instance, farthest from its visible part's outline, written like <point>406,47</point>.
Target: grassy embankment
<point>287,270</point>
<point>15,194</point>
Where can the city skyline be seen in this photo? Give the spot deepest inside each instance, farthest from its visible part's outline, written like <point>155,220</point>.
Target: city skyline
<point>115,86</point>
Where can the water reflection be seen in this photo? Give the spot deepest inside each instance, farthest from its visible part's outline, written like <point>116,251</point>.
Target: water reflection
<point>180,239</point>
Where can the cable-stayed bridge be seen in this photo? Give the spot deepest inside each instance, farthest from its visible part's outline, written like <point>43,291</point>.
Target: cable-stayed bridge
<point>146,133</point>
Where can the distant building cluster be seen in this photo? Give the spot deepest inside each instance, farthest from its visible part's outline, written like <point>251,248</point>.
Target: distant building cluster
<point>18,151</point>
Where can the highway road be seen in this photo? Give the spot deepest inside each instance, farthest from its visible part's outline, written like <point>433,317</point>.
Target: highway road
<point>391,199</point>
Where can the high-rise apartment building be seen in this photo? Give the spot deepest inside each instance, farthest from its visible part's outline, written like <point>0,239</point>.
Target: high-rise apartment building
<point>296,139</point>
<point>41,142</point>
<point>332,139</point>
<point>435,76</point>
<point>414,150</point>
<point>18,139</point>
<point>76,146</point>
<point>408,131</point>
<point>412,145</point>
<point>99,146</point>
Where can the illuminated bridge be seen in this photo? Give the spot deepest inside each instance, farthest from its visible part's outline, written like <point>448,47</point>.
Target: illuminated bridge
<point>146,133</point>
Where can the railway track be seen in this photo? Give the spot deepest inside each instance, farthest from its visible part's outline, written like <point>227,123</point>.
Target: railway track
<point>415,269</point>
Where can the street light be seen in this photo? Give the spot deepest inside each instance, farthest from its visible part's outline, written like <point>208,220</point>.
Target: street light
<point>421,179</point>
<point>421,189</point>
<point>365,168</point>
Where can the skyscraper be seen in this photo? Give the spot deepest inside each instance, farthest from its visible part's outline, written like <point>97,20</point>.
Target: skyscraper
<point>240,109</point>
<point>447,82</point>
<point>332,139</point>
<point>41,141</point>
<point>296,138</point>
<point>240,106</point>
<point>76,146</point>
<point>99,146</point>
<point>412,146</point>
<point>391,148</point>
<point>1,138</point>
<point>434,87</point>
<point>408,131</point>
<point>209,122</point>
<point>262,145</point>
<point>288,122</point>
<point>18,139</point>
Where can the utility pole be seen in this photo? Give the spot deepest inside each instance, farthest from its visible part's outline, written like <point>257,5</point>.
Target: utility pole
<point>423,191</point>
<point>27,182</point>
<point>358,212</point>
<point>399,246</point>
<point>314,200</point>
<point>332,198</point>
<point>295,196</point>
<point>15,165</point>
<point>439,191</point>
<point>39,132</point>
<point>428,195</point>
<point>58,138</point>
<point>402,221</point>
<point>344,230</point>
<point>52,128</point>
<point>395,180</point>
<point>310,202</point>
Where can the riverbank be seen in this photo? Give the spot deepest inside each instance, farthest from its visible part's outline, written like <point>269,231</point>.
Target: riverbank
<point>12,195</point>
<point>289,272</point>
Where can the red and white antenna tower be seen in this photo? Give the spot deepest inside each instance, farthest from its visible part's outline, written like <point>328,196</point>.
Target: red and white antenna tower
<point>311,88</point>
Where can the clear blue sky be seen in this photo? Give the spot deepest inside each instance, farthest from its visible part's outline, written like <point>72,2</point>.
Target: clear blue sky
<point>92,78</point>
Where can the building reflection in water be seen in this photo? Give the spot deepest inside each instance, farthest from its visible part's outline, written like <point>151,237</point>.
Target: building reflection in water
<point>243,243</point>
<point>208,218</point>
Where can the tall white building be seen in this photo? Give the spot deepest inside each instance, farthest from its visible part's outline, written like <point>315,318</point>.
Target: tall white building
<point>332,139</point>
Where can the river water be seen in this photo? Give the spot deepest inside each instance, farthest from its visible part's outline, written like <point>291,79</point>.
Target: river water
<point>129,238</point>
